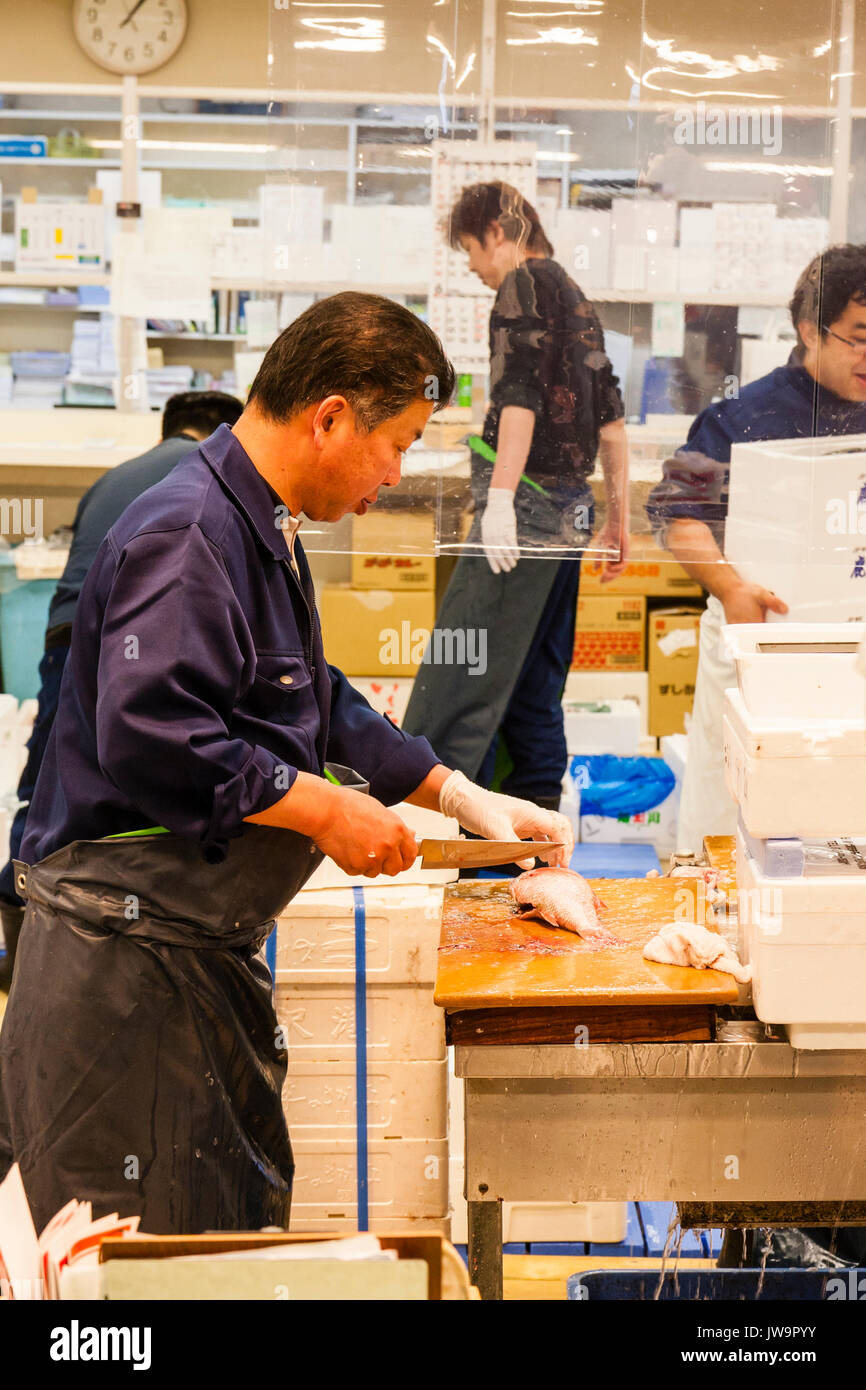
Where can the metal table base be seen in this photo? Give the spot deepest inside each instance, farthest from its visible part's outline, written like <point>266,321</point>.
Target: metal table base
<point>710,1121</point>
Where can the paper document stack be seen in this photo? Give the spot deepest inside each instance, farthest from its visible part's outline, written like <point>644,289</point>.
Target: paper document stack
<point>31,1266</point>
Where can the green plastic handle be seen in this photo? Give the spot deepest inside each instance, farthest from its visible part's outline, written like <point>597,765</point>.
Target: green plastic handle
<point>478,446</point>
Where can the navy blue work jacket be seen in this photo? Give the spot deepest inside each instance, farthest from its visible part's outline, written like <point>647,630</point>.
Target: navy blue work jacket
<point>196,686</point>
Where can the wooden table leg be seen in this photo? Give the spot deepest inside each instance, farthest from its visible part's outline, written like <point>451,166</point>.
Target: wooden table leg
<point>485,1248</point>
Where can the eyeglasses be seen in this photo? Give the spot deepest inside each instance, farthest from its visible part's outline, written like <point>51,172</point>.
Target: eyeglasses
<point>858,347</point>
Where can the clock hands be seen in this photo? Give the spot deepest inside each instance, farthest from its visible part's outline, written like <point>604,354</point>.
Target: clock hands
<point>133,11</point>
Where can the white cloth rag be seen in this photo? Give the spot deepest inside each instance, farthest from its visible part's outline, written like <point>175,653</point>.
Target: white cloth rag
<point>686,943</point>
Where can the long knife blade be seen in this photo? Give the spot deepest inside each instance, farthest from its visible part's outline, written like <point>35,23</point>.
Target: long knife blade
<point>479,854</point>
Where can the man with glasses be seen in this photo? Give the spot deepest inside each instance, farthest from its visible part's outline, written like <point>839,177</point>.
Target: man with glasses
<point>820,391</point>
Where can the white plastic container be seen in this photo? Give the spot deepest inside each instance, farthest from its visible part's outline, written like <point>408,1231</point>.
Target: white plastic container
<point>804,672</point>
<point>316,935</point>
<point>795,779</point>
<point>403,1023</point>
<point>805,939</point>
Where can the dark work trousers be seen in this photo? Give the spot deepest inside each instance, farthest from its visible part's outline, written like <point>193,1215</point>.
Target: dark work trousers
<point>532,727</point>
<point>527,619</point>
<point>50,673</point>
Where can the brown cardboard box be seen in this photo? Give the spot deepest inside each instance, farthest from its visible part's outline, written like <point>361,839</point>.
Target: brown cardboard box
<point>672,641</point>
<point>610,633</point>
<point>375,632</point>
<point>651,571</point>
<point>393,550</point>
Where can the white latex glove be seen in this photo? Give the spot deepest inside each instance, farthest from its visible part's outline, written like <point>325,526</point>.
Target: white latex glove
<point>498,817</point>
<point>499,531</point>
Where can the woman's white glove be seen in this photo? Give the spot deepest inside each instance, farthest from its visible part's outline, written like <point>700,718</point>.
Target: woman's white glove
<point>498,817</point>
<point>499,530</point>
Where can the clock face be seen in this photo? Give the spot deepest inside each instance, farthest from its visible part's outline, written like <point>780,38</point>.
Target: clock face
<point>130,36</point>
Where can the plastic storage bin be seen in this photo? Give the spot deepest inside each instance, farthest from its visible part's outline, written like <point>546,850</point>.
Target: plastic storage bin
<point>713,1285</point>
<point>23,620</point>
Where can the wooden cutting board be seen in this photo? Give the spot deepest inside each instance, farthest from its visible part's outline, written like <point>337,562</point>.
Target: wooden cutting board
<point>488,959</point>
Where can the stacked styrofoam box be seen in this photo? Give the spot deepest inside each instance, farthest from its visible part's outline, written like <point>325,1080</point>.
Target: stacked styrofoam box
<point>602,726</point>
<point>795,760</point>
<point>610,685</point>
<point>795,241</point>
<point>743,234</point>
<point>697,241</point>
<point>602,1222</point>
<point>642,229</point>
<point>581,244</point>
<point>796,523</point>
<point>405,1051</point>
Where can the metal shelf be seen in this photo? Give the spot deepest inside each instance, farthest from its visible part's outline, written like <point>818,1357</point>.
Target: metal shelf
<point>54,279</point>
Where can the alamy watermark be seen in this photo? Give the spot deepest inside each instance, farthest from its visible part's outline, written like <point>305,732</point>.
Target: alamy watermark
<point>444,646</point>
<point>704,124</point>
<point>21,516</point>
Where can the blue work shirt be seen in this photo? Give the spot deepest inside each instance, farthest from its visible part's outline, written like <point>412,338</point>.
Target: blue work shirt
<point>787,403</point>
<point>196,686</point>
<point>102,505</point>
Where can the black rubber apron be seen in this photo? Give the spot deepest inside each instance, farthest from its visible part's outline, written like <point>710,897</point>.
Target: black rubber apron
<point>141,1063</point>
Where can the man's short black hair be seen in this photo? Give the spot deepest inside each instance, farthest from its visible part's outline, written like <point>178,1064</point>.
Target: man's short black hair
<point>827,286</point>
<point>373,351</point>
<point>201,411</point>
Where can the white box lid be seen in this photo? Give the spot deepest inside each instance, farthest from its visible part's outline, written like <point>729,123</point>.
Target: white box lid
<point>763,737</point>
<point>776,906</point>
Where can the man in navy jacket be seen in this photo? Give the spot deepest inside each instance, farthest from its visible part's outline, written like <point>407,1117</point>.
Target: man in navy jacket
<point>184,796</point>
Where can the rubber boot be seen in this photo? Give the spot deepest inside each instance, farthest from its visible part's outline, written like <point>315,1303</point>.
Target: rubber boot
<point>11,917</point>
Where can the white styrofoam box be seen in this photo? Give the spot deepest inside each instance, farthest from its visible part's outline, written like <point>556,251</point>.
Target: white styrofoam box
<point>810,492</point>
<point>426,825</point>
<point>408,1178</point>
<point>798,684</point>
<point>316,935</point>
<point>629,267</point>
<point>610,685</point>
<point>403,1023</point>
<point>655,221</point>
<point>674,748</point>
<point>794,779</point>
<point>805,939</point>
<point>405,1100</point>
<point>387,696</point>
<point>384,243</point>
<point>695,270</point>
<point>820,590</point>
<point>698,227</point>
<point>581,243</point>
<point>662,269</point>
<point>602,726</point>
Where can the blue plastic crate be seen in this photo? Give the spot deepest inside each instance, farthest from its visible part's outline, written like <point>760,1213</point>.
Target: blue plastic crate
<point>708,1285</point>
<point>614,861</point>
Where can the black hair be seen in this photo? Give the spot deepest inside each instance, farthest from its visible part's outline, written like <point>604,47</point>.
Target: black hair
<point>373,351</point>
<point>482,203</point>
<point>827,286</point>
<point>201,411</point>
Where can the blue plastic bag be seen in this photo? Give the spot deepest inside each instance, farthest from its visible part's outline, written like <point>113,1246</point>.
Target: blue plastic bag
<point>611,786</point>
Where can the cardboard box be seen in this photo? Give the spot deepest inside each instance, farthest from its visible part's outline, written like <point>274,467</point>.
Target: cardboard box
<point>650,571</point>
<point>369,632</point>
<point>390,697</point>
<point>673,637</point>
<point>610,633</point>
<point>394,550</point>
